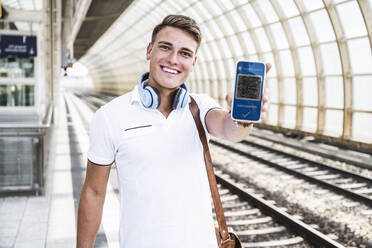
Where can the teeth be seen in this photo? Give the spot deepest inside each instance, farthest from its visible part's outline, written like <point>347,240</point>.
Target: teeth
<point>170,70</point>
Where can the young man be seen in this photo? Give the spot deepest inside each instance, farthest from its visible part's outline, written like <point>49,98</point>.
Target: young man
<point>151,136</point>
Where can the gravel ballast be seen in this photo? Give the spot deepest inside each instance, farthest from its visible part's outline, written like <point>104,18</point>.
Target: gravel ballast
<point>346,221</point>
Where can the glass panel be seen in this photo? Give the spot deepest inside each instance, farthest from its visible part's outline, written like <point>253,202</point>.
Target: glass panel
<point>272,117</point>
<point>362,88</point>
<point>225,26</point>
<point>272,84</point>
<point>253,57</point>
<point>248,42</point>
<point>227,5</point>
<point>211,6</point>
<point>236,49</point>
<point>221,69</point>
<point>193,13</point>
<point>215,51</point>
<point>167,8</point>
<point>288,7</point>
<point>299,32</point>
<point>310,119</point>
<point>267,10</point>
<point>223,91</point>
<point>38,5</point>
<point>182,4</point>
<point>269,58</point>
<point>289,91</point>
<point>310,91</point>
<point>251,15</point>
<point>334,92</point>
<point>206,88</point>
<point>313,4</point>
<point>240,2</point>
<point>206,51</point>
<point>212,73</point>
<point>225,51</point>
<point>351,19</point>
<point>360,55</point>
<point>286,63</point>
<point>306,58</point>
<point>204,70</point>
<point>196,73</point>
<point>322,25</point>
<point>330,58</point>
<point>339,1</point>
<point>361,130</point>
<point>215,30</point>
<point>207,34</point>
<point>16,162</point>
<point>334,122</point>
<point>279,36</point>
<point>16,67</point>
<point>240,25</point>
<point>289,116</point>
<point>200,8</point>
<point>17,95</point>
<point>214,88</point>
<point>262,39</point>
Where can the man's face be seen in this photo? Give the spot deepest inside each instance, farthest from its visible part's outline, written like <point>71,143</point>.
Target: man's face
<point>172,58</point>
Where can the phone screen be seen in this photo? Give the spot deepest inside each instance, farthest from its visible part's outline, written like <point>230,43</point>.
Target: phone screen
<point>249,87</point>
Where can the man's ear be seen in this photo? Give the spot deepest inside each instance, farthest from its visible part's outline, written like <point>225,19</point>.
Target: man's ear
<point>194,62</point>
<point>148,51</point>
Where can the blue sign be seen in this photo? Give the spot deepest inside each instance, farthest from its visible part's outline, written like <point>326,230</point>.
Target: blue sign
<point>18,45</point>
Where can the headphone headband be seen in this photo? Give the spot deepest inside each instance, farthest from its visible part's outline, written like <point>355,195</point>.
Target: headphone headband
<point>150,96</point>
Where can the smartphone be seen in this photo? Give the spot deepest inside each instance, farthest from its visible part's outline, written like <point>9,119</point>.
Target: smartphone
<point>249,85</point>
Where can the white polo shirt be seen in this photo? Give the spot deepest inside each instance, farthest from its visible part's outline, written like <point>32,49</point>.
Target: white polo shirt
<point>164,191</point>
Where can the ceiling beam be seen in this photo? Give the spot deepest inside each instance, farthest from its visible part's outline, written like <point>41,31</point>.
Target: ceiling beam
<point>18,15</point>
<point>78,19</point>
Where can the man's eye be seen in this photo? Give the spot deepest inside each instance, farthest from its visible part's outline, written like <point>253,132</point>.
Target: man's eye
<point>185,54</point>
<point>164,47</point>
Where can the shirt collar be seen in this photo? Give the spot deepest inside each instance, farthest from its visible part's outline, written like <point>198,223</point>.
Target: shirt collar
<point>135,95</point>
<point>135,92</point>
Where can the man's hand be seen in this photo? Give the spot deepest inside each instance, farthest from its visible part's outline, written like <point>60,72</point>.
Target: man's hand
<point>265,100</point>
<point>220,124</point>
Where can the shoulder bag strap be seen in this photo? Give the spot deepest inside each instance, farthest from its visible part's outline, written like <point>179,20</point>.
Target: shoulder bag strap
<point>211,177</point>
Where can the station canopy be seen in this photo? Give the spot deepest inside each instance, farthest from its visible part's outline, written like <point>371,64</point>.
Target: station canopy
<point>34,6</point>
<point>321,78</point>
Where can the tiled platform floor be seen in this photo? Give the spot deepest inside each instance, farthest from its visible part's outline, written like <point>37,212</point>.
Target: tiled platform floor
<point>50,220</point>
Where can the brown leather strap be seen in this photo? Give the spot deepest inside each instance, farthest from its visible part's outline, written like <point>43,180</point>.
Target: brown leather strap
<point>211,177</point>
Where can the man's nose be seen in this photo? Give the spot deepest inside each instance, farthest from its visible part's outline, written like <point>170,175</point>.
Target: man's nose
<point>173,57</point>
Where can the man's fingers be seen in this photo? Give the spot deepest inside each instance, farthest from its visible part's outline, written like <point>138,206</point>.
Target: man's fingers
<point>268,67</point>
<point>229,98</point>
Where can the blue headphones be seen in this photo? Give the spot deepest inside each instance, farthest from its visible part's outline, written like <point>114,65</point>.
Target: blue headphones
<point>150,96</point>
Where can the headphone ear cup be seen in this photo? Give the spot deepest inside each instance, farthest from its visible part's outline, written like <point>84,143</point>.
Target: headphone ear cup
<point>155,97</point>
<point>180,99</point>
<point>146,97</point>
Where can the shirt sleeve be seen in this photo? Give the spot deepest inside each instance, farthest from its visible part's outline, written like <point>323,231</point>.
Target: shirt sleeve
<point>205,104</point>
<point>101,148</point>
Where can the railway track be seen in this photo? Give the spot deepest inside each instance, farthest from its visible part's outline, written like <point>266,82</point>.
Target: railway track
<point>258,222</point>
<point>310,145</point>
<point>346,183</point>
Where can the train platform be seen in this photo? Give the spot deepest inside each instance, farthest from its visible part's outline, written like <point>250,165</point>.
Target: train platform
<point>50,220</point>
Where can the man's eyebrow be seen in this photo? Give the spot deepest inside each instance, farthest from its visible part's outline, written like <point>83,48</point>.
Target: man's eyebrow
<point>166,43</point>
<point>170,44</point>
<point>187,50</point>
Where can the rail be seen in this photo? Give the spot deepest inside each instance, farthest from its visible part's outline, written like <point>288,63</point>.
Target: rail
<point>9,129</point>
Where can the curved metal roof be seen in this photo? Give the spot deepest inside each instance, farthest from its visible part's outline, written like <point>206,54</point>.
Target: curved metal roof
<point>320,82</point>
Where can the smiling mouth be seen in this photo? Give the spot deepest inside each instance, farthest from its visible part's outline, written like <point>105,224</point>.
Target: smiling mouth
<point>169,70</point>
